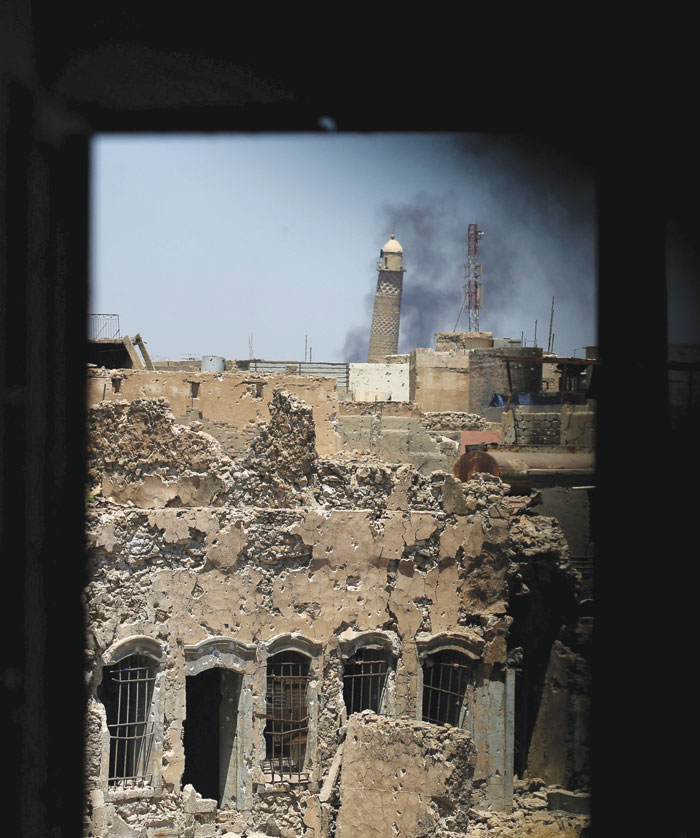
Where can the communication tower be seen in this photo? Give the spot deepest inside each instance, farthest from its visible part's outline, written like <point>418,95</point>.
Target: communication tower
<point>472,296</point>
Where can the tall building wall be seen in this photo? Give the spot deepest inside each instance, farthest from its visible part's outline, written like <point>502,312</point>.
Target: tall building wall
<point>384,337</point>
<point>489,374</point>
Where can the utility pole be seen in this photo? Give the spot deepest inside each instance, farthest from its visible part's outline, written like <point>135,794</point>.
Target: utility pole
<point>550,342</point>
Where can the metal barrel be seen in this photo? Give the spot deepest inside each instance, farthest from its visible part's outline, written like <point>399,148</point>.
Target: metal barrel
<point>213,363</point>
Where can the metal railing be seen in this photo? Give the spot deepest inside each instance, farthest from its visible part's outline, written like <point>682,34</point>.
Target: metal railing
<point>287,728</point>
<point>446,676</point>
<point>364,681</point>
<point>103,326</point>
<point>130,722</point>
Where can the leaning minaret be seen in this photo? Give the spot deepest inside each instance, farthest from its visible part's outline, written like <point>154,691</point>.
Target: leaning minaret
<point>384,338</point>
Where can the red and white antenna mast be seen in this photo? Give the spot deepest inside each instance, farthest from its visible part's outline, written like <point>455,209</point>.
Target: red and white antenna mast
<point>472,291</point>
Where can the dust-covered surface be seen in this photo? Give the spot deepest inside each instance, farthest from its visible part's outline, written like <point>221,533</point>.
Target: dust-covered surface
<point>199,556</point>
<point>536,813</point>
<point>402,777</point>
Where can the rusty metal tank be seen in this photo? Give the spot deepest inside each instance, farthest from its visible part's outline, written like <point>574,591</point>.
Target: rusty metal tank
<point>475,461</point>
<point>523,470</point>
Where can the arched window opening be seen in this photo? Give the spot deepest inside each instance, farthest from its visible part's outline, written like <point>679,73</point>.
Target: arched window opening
<point>210,734</point>
<point>127,693</point>
<point>446,676</point>
<point>287,726</point>
<point>364,681</point>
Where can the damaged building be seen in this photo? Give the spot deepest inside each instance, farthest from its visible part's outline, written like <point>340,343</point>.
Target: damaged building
<point>289,638</point>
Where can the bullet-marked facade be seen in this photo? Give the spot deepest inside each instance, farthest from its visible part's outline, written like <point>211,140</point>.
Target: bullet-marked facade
<point>267,630</point>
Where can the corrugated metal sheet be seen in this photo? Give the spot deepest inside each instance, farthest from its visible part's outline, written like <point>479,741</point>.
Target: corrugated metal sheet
<point>328,370</point>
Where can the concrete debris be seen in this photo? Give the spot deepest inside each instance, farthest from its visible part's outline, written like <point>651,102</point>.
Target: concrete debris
<point>531,815</point>
<point>138,455</point>
<point>451,420</point>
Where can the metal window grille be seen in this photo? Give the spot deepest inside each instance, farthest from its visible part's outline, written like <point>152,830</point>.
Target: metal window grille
<point>287,727</point>
<point>446,676</point>
<point>127,693</point>
<point>364,681</point>
<point>103,326</point>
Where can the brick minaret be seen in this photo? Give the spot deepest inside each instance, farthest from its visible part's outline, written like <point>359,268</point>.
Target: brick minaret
<point>384,337</point>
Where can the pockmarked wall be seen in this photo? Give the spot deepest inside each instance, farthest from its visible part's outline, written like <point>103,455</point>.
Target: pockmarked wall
<point>231,405</point>
<point>209,574</point>
<point>459,376</point>
<point>379,382</point>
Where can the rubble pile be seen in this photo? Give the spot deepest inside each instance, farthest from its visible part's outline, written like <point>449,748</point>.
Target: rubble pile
<point>538,812</point>
<point>283,453</point>
<point>138,454</point>
<point>450,420</point>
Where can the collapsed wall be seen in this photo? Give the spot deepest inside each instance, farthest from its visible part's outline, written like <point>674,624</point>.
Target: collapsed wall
<point>250,596</point>
<point>232,406</point>
<point>402,777</point>
<point>428,441</point>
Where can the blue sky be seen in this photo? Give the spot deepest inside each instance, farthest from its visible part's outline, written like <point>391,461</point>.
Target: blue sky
<point>198,241</point>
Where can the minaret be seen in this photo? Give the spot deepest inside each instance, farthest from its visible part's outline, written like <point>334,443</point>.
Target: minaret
<point>384,337</point>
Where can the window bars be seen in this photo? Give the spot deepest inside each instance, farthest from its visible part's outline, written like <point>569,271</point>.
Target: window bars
<point>127,693</point>
<point>446,676</point>
<point>287,727</point>
<point>364,681</point>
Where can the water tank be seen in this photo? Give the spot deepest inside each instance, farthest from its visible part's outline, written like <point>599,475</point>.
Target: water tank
<point>213,363</point>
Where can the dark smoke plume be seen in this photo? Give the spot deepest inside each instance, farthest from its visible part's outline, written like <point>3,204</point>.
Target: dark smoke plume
<point>536,206</point>
<point>356,344</point>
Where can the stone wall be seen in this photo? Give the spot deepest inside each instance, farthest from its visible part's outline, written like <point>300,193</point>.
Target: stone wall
<point>440,380</point>
<point>203,562</point>
<point>397,440</point>
<point>568,425</point>
<point>522,427</point>
<point>452,341</point>
<point>489,374</point>
<point>234,402</point>
<point>388,408</point>
<point>464,379</point>
<point>430,441</point>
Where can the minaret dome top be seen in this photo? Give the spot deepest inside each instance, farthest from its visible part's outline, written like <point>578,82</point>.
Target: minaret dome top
<point>392,246</point>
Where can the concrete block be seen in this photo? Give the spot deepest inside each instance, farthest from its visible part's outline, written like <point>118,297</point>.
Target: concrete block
<point>572,802</point>
<point>195,804</point>
<point>118,828</point>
